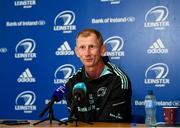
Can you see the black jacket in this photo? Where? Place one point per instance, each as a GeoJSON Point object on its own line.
{"type": "Point", "coordinates": [108, 98]}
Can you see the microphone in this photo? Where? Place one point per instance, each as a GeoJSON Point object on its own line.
{"type": "Point", "coordinates": [79, 91]}
{"type": "Point", "coordinates": [59, 93]}
{"type": "Point", "coordinates": [57, 96]}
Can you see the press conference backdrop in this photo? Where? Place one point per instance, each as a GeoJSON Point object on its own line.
{"type": "Point", "coordinates": [37, 40]}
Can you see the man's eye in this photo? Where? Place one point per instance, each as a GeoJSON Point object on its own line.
{"type": "Point", "coordinates": [81, 47]}
{"type": "Point", "coordinates": [92, 46]}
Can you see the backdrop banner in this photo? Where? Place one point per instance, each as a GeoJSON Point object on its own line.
{"type": "Point", "coordinates": [37, 40]}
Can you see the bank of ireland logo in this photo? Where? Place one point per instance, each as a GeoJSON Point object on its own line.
{"type": "Point", "coordinates": [64, 49]}
{"type": "Point", "coordinates": [114, 47]}
{"type": "Point", "coordinates": [157, 74]}
{"type": "Point", "coordinates": [157, 48]}
{"type": "Point", "coordinates": [3, 50]}
{"type": "Point", "coordinates": [64, 22]}
{"type": "Point", "coordinates": [112, 1]}
{"type": "Point", "coordinates": [156, 18]}
{"type": "Point", "coordinates": [25, 102]}
{"type": "Point", "coordinates": [63, 73]}
{"type": "Point", "coordinates": [25, 49]}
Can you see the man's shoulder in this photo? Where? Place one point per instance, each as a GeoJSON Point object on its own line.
{"type": "Point", "coordinates": [121, 75]}
{"type": "Point", "coordinates": [117, 70]}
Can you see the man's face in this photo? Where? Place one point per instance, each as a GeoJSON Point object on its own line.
{"type": "Point", "coordinates": [89, 50]}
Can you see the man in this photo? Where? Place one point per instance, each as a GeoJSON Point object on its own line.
{"type": "Point", "coordinates": [108, 95]}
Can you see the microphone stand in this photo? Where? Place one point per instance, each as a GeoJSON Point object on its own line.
{"type": "Point", "coordinates": [74, 111]}
{"type": "Point", "coordinates": [73, 114]}
{"type": "Point", "coordinates": [51, 117]}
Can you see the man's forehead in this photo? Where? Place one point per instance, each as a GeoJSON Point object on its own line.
{"type": "Point", "coordinates": [87, 39]}
{"type": "Point", "coordinates": [87, 43]}
{"type": "Point", "coordinates": [86, 34]}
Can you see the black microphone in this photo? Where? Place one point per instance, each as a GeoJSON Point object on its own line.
{"type": "Point", "coordinates": [57, 96]}
{"type": "Point", "coordinates": [79, 91]}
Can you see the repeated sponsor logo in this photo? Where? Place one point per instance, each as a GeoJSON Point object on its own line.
{"type": "Point", "coordinates": [114, 47]}
{"type": "Point", "coordinates": [25, 3]}
{"type": "Point", "coordinates": [62, 102]}
{"type": "Point", "coordinates": [175, 103]}
{"type": "Point", "coordinates": [112, 1]}
{"type": "Point", "coordinates": [63, 73]}
{"type": "Point", "coordinates": [156, 18]}
{"type": "Point", "coordinates": [25, 102]}
{"type": "Point", "coordinates": [64, 22]}
{"type": "Point", "coordinates": [25, 23]}
{"type": "Point", "coordinates": [157, 48]}
{"type": "Point", "coordinates": [25, 49]}
{"type": "Point", "coordinates": [64, 49]}
{"type": "Point", "coordinates": [3, 50]}
{"type": "Point", "coordinates": [109, 20]}
{"type": "Point", "coordinates": [26, 77]}
{"type": "Point", "coordinates": [157, 74]}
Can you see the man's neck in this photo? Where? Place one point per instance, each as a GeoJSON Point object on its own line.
{"type": "Point", "coordinates": [94, 72]}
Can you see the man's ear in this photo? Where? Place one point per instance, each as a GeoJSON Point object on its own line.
{"type": "Point", "coordinates": [103, 49]}
{"type": "Point", "coordinates": [76, 51]}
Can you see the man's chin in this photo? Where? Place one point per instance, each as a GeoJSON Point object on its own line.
{"type": "Point", "coordinates": [88, 65]}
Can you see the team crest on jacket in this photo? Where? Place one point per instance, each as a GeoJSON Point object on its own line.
{"type": "Point", "coordinates": [101, 91]}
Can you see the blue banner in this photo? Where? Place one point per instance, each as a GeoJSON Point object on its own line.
{"type": "Point", "coordinates": [37, 40]}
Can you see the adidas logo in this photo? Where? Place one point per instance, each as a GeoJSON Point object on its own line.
{"type": "Point", "coordinates": [157, 47]}
{"type": "Point", "coordinates": [64, 49]}
{"type": "Point", "coordinates": [26, 76]}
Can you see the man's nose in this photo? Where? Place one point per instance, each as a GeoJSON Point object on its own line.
{"type": "Point", "coordinates": [87, 51]}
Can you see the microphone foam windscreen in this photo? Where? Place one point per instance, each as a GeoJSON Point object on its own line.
{"type": "Point", "coordinates": [81, 86]}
